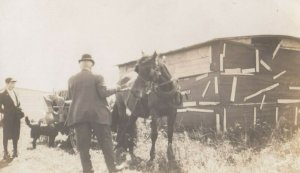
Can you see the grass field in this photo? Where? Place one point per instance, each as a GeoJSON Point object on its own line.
{"type": "Point", "coordinates": [191, 156]}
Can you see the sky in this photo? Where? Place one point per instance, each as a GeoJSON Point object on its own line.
{"type": "Point", "coordinates": [42, 40]}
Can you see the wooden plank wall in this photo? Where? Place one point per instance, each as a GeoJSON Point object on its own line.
{"type": "Point", "coordinates": [249, 98]}
{"type": "Point", "coordinates": [191, 62]}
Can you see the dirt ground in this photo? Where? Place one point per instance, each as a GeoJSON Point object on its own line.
{"type": "Point", "coordinates": [42, 159]}
{"type": "Point", "coordinates": [57, 160]}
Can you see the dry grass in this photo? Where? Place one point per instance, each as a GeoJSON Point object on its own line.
{"type": "Point", "coordinates": [191, 156]}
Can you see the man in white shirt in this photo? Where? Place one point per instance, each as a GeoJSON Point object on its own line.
{"type": "Point", "coordinates": [9, 103]}
{"type": "Point", "coordinates": [11, 92]}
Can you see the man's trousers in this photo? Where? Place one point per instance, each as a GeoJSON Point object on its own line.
{"type": "Point", "coordinates": [83, 133]}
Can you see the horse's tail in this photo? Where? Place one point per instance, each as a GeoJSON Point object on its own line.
{"type": "Point", "coordinates": [28, 122]}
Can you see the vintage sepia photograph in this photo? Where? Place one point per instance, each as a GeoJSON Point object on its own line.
{"type": "Point", "coordinates": [160, 86]}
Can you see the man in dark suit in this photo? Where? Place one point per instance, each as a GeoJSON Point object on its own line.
{"type": "Point", "coordinates": [89, 111]}
{"type": "Point", "coordinates": [9, 103]}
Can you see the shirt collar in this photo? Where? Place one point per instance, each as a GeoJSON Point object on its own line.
{"type": "Point", "coordinates": [9, 90]}
{"type": "Point", "coordinates": [86, 70]}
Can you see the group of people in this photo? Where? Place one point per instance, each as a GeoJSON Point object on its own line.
{"type": "Point", "coordinates": [88, 112]}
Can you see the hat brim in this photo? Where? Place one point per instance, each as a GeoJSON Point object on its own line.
{"type": "Point", "coordinates": [87, 60]}
{"type": "Point", "coordinates": [13, 80]}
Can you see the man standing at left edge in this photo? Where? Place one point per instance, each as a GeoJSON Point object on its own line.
{"type": "Point", "coordinates": [9, 103]}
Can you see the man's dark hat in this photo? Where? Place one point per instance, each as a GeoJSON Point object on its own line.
{"type": "Point", "coordinates": [9, 79]}
{"type": "Point", "coordinates": [86, 57]}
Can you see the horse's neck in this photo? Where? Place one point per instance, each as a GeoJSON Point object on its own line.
{"type": "Point", "coordinates": [165, 79]}
{"type": "Point", "coordinates": [165, 71]}
{"type": "Point", "coordinates": [140, 84]}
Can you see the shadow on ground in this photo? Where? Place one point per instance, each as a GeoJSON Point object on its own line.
{"type": "Point", "coordinates": [5, 163]}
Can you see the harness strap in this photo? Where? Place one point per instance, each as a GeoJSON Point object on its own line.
{"type": "Point", "coordinates": [167, 82]}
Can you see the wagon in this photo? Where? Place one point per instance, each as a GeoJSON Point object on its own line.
{"type": "Point", "coordinates": [57, 114]}
{"type": "Point", "coordinates": [60, 122]}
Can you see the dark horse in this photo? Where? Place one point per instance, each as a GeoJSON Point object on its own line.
{"type": "Point", "coordinates": [153, 93]}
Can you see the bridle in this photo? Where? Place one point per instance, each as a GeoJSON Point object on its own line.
{"type": "Point", "coordinates": [167, 82]}
{"type": "Point", "coordinates": [153, 85]}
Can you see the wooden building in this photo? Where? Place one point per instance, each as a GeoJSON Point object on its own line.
{"type": "Point", "coordinates": [238, 80]}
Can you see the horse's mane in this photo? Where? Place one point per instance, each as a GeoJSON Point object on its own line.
{"type": "Point", "coordinates": [165, 71]}
{"type": "Point", "coordinates": [144, 59]}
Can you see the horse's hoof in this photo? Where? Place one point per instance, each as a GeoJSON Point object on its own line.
{"type": "Point", "coordinates": [120, 155]}
{"type": "Point", "coordinates": [152, 154]}
{"type": "Point", "coordinates": [150, 163]}
{"type": "Point", "coordinates": [170, 154]}
{"type": "Point", "coordinates": [133, 157]}
{"type": "Point", "coordinates": [135, 160]}
{"type": "Point", "coordinates": [173, 166]}
{"type": "Point", "coordinates": [171, 157]}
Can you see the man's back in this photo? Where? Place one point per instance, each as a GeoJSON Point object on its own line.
{"type": "Point", "coordinates": [89, 113]}
{"type": "Point", "coordinates": [87, 103]}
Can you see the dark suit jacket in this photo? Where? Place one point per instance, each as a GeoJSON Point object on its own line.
{"type": "Point", "coordinates": [11, 123]}
{"type": "Point", "coordinates": [88, 94]}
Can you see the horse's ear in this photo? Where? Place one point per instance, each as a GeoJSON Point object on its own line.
{"type": "Point", "coordinates": [154, 55]}
{"type": "Point", "coordinates": [136, 69]}
{"type": "Point", "coordinates": [154, 58]}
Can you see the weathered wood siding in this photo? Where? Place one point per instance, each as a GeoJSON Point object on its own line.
{"type": "Point", "coordinates": [290, 44]}
{"type": "Point", "coordinates": [263, 89]}
{"type": "Point", "coordinates": [245, 81]}
{"type": "Point", "coordinates": [182, 64]}
{"type": "Point", "coordinates": [190, 62]}
{"type": "Point", "coordinates": [126, 68]}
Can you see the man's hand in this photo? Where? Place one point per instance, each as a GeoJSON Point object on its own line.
{"type": "Point", "coordinates": [55, 113]}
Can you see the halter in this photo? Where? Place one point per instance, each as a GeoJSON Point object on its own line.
{"type": "Point", "coordinates": [154, 85]}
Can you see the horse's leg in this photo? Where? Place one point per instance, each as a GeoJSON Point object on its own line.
{"type": "Point", "coordinates": [121, 132]}
{"type": "Point", "coordinates": [121, 128]}
{"type": "Point", "coordinates": [125, 136]}
{"type": "Point", "coordinates": [132, 135]}
{"type": "Point", "coordinates": [154, 134]}
{"type": "Point", "coordinates": [34, 142]}
{"type": "Point", "coordinates": [171, 122]}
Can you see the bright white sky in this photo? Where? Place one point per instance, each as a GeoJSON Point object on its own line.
{"type": "Point", "coordinates": [42, 40]}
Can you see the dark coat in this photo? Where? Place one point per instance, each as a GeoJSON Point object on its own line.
{"type": "Point", "coordinates": [88, 94]}
{"type": "Point", "coordinates": [11, 123]}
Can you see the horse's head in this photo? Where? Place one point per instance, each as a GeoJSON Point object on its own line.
{"type": "Point", "coordinates": [148, 68]}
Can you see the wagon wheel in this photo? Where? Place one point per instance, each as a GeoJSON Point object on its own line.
{"type": "Point", "coordinates": [73, 140]}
